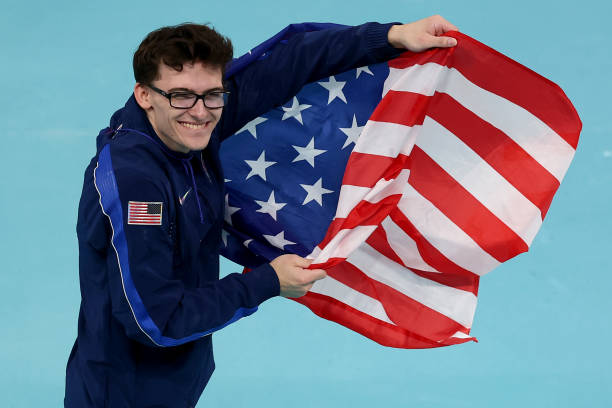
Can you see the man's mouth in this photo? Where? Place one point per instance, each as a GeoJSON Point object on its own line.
{"type": "Point", "coordinates": [192, 125]}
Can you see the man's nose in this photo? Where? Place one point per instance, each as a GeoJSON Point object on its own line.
{"type": "Point", "coordinates": [199, 110]}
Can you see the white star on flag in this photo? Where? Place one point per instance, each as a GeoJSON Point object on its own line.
{"type": "Point", "coordinates": [259, 166]}
{"type": "Point", "coordinates": [365, 69]}
{"type": "Point", "coordinates": [295, 111]}
{"type": "Point", "coordinates": [252, 126]}
{"type": "Point", "coordinates": [315, 192]}
{"type": "Point", "coordinates": [308, 152]}
{"type": "Point", "coordinates": [247, 242]}
{"type": "Point", "coordinates": [278, 240]}
{"type": "Point", "coordinates": [229, 211]}
{"type": "Point", "coordinates": [335, 89]}
{"type": "Point", "coordinates": [352, 133]}
{"type": "Point", "coordinates": [270, 206]}
{"type": "Point", "coordinates": [224, 235]}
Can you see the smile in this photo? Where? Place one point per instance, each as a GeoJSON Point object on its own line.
{"type": "Point", "coordinates": [193, 125]}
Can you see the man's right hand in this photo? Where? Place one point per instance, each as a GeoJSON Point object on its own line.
{"type": "Point", "coordinates": [294, 279]}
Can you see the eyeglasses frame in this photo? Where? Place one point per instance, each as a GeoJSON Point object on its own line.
{"type": "Point", "coordinates": [198, 97]}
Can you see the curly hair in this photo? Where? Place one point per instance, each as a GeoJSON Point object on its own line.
{"type": "Point", "coordinates": [177, 45]}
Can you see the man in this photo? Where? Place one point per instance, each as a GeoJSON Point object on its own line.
{"type": "Point", "coordinates": [152, 208]}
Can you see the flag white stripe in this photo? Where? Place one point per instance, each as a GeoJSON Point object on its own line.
{"type": "Point", "coordinates": [350, 195]}
{"type": "Point", "coordinates": [456, 304]}
{"type": "Point", "coordinates": [481, 180]}
{"type": "Point", "coordinates": [461, 335]}
{"type": "Point", "coordinates": [421, 79]}
{"type": "Point", "coordinates": [444, 235]}
{"type": "Point", "coordinates": [404, 246]}
{"type": "Point", "coordinates": [527, 130]}
{"type": "Point", "coordinates": [386, 139]}
{"type": "Point", "coordinates": [347, 295]}
{"type": "Point", "coordinates": [344, 242]}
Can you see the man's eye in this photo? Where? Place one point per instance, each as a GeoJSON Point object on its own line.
{"type": "Point", "coordinates": [183, 96]}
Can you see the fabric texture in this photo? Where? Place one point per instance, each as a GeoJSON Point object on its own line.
{"type": "Point", "coordinates": [406, 181]}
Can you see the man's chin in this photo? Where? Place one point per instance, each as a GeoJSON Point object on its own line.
{"type": "Point", "coordinates": [200, 145]}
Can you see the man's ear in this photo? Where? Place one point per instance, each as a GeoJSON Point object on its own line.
{"type": "Point", "coordinates": [143, 96]}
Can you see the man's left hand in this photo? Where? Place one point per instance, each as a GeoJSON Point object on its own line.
{"type": "Point", "coordinates": [422, 34]}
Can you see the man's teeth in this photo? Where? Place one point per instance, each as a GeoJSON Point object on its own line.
{"type": "Point", "coordinates": [193, 125]}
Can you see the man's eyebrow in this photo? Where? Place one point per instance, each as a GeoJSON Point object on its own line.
{"type": "Point", "coordinates": [218, 88]}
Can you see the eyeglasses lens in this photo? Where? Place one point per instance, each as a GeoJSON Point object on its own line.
{"type": "Point", "coordinates": [188, 100]}
{"type": "Point", "coordinates": [214, 100]}
{"type": "Point", "coordinates": [179, 100]}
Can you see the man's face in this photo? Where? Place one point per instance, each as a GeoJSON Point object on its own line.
{"type": "Point", "coordinates": [183, 130]}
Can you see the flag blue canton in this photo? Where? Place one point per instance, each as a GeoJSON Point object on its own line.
{"type": "Point", "coordinates": [284, 169]}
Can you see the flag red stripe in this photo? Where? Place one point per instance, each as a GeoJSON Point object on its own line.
{"type": "Point", "coordinates": [496, 148]}
{"type": "Point", "coordinates": [432, 255]}
{"type": "Point", "coordinates": [467, 282]}
{"type": "Point", "coordinates": [508, 79]}
{"type": "Point", "coordinates": [378, 241]}
{"type": "Point", "coordinates": [331, 262]}
{"type": "Point", "coordinates": [401, 309]}
{"type": "Point", "coordinates": [408, 59]}
{"type": "Point", "coordinates": [404, 108]}
{"type": "Point", "coordinates": [381, 332]}
{"type": "Point", "coordinates": [364, 213]}
{"type": "Point", "coordinates": [365, 170]}
{"type": "Point", "coordinates": [452, 199]}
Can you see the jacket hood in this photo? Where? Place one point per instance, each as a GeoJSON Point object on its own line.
{"type": "Point", "coordinates": [131, 117]}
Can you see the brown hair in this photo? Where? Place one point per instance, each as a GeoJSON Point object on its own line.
{"type": "Point", "coordinates": [177, 45]}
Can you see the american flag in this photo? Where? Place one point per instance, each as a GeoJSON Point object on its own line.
{"type": "Point", "coordinates": [144, 213]}
{"type": "Point", "coordinates": [406, 181]}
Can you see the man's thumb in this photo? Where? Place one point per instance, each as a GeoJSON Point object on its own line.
{"type": "Point", "coordinates": [443, 42]}
{"type": "Point", "coordinates": [316, 274]}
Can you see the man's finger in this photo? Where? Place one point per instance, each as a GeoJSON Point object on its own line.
{"type": "Point", "coordinates": [302, 262]}
{"type": "Point", "coordinates": [443, 42]}
{"type": "Point", "coordinates": [444, 25]}
{"type": "Point", "coordinates": [447, 26]}
{"type": "Point", "coordinates": [315, 274]}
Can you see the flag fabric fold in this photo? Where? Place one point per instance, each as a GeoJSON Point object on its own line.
{"type": "Point", "coordinates": [406, 181]}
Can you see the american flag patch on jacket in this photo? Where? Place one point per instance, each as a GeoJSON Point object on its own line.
{"type": "Point", "coordinates": [144, 213]}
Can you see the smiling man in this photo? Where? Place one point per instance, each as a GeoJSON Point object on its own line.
{"type": "Point", "coordinates": [152, 208]}
{"type": "Point", "coordinates": [184, 125]}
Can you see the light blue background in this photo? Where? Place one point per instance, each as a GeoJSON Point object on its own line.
{"type": "Point", "coordinates": [543, 319]}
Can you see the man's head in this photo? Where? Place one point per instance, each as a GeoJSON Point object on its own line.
{"type": "Point", "coordinates": [183, 58]}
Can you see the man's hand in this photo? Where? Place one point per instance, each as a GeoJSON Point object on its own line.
{"type": "Point", "coordinates": [422, 34]}
{"type": "Point", "coordinates": [294, 280]}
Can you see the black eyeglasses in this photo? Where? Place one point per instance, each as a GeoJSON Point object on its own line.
{"type": "Point", "coordinates": [215, 99]}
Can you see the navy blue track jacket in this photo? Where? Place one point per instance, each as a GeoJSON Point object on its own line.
{"type": "Point", "coordinates": [151, 294]}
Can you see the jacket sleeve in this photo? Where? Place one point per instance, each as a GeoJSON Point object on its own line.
{"type": "Point", "coordinates": [305, 57]}
{"type": "Point", "coordinates": [148, 296]}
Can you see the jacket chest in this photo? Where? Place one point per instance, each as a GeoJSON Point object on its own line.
{"type": "Point", "coordinates": [198, 213]}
